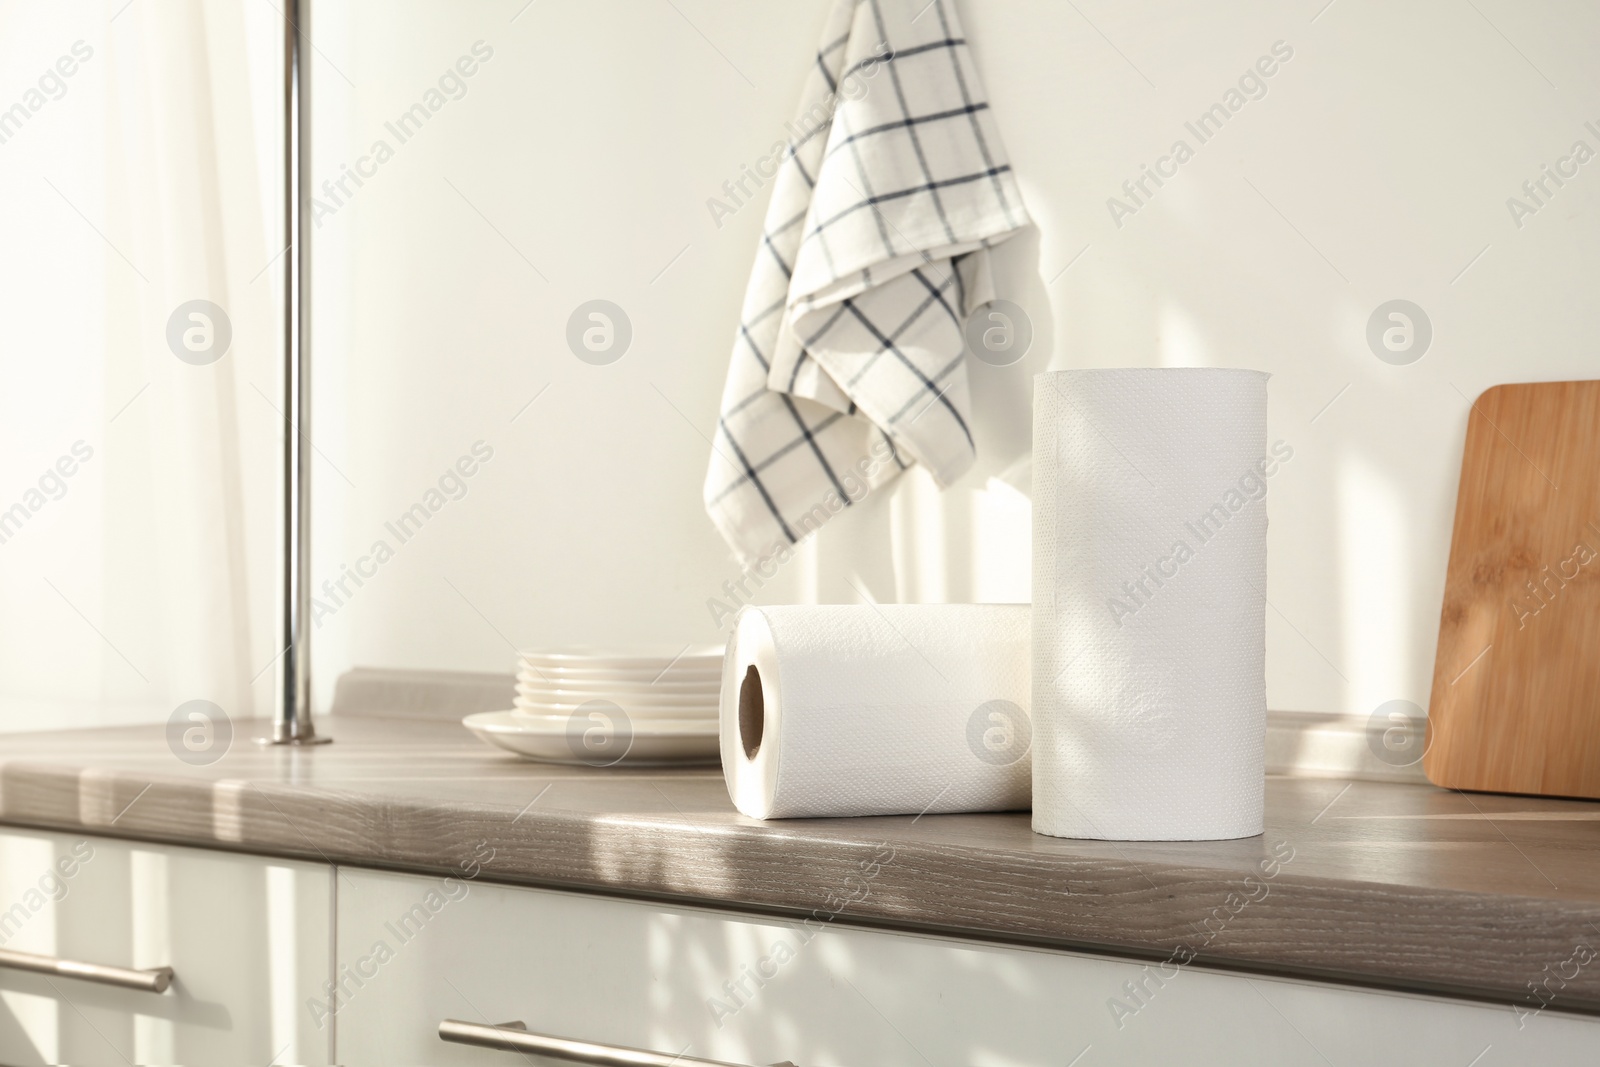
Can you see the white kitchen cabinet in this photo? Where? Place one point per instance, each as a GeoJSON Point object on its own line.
{"type": "Point", "coordinates": [252, 943]}
{"type": "Point", "coordinates": [247, 938]}
{"type": "Point", "coordinates": [414, 950]}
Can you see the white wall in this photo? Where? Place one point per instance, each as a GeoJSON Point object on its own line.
{"type": "Point", "coordinates": [1376, 167]}
{"type": "Point", "coordinates": [578, 165]}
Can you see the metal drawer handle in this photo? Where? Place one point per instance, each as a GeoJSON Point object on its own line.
{"type": "Point", "coordinates": [155, 980]}
{"type": "Point", "coordinates": [514, 1037]}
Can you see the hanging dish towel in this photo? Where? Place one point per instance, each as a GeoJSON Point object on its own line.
{"type": "Point", "coordinates": [849, 361]}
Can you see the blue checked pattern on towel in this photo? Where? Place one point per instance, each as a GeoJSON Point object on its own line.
{"type": "Point", "coordinates": [849, 362]}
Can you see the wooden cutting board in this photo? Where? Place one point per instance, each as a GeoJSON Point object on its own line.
{"type": "Point", "coordinates": [1515, 706]}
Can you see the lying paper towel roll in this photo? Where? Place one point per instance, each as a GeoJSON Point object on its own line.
{"type": "Point", "coordinates": [1149, 578]}
{"type": "Point", "coordinates": [877, 710]}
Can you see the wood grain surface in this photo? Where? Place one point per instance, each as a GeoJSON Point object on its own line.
{"type": "Point", "coordinates": [1395, 885]}
{"type": "Point", "coordinates": [1515, 705]}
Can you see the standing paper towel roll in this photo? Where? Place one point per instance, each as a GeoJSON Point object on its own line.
{"type": "Point", "coordinates": [877, 710]}
{"type": "Point", "coordinates": [1149, 577]}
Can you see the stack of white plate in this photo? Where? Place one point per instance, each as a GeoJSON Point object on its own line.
{"type": "Point", "coordinates": [604, 708]}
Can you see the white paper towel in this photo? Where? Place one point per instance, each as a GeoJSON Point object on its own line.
{"type": "Point", "coordinates": [1149, 579]}
{"type": "Point", "coordinates": [877, 710]}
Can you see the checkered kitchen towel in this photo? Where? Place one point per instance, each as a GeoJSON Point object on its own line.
{"type": "Point", "coordinates": [849, 361]}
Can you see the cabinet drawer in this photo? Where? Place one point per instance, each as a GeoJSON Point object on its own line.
{"type": "Point", "coordinates": [413, 951]}
{"type": "Point", "coordinates": [247, 939]}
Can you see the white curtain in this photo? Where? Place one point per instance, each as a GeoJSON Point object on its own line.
{"type": "Point", "coordinates": [151, 181]}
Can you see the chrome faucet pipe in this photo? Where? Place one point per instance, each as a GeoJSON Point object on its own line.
{"type": "Point", "coordinates": [291, 723]}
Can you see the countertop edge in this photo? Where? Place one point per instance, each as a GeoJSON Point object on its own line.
{"type": "Point", "coordinates": [1479, 946]}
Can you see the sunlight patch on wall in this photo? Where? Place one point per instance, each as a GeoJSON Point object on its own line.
{"type": "Point", "coordinates": [1179, 337]}
{"type": "Point", "coordinates": [1376, 587]}
{"type": "Point", "coordinates": [917, 527]}
{"type": "Point", "coordinates": [1002, 539]}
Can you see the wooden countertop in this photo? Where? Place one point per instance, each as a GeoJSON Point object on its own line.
{"type": "Point", "coordinates": [1374, 883]}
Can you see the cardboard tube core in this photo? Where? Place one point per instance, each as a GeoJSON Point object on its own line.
{"type": "Point", "coordinates": [752, 712]}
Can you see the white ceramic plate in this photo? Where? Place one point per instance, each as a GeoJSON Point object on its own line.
{"type": "Point", "coordinates": [650, 676]}
{"type": "Point", "coordinates": [646, 747]}
{"type": "Point", "coordinates": [685, 724]}
{"type": "Point", "coordinates": [652, 650]}
{"type": "Point", "coordinates": [542, 719]}
{"type": "Point", "coordinates": [534, 694]}
{"type": "Point", "coordinates": [705, 713]}
{"type": "Point", "coordinates": [694, 658]}
{"type": "Point", "coordinates": [711, 684]}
